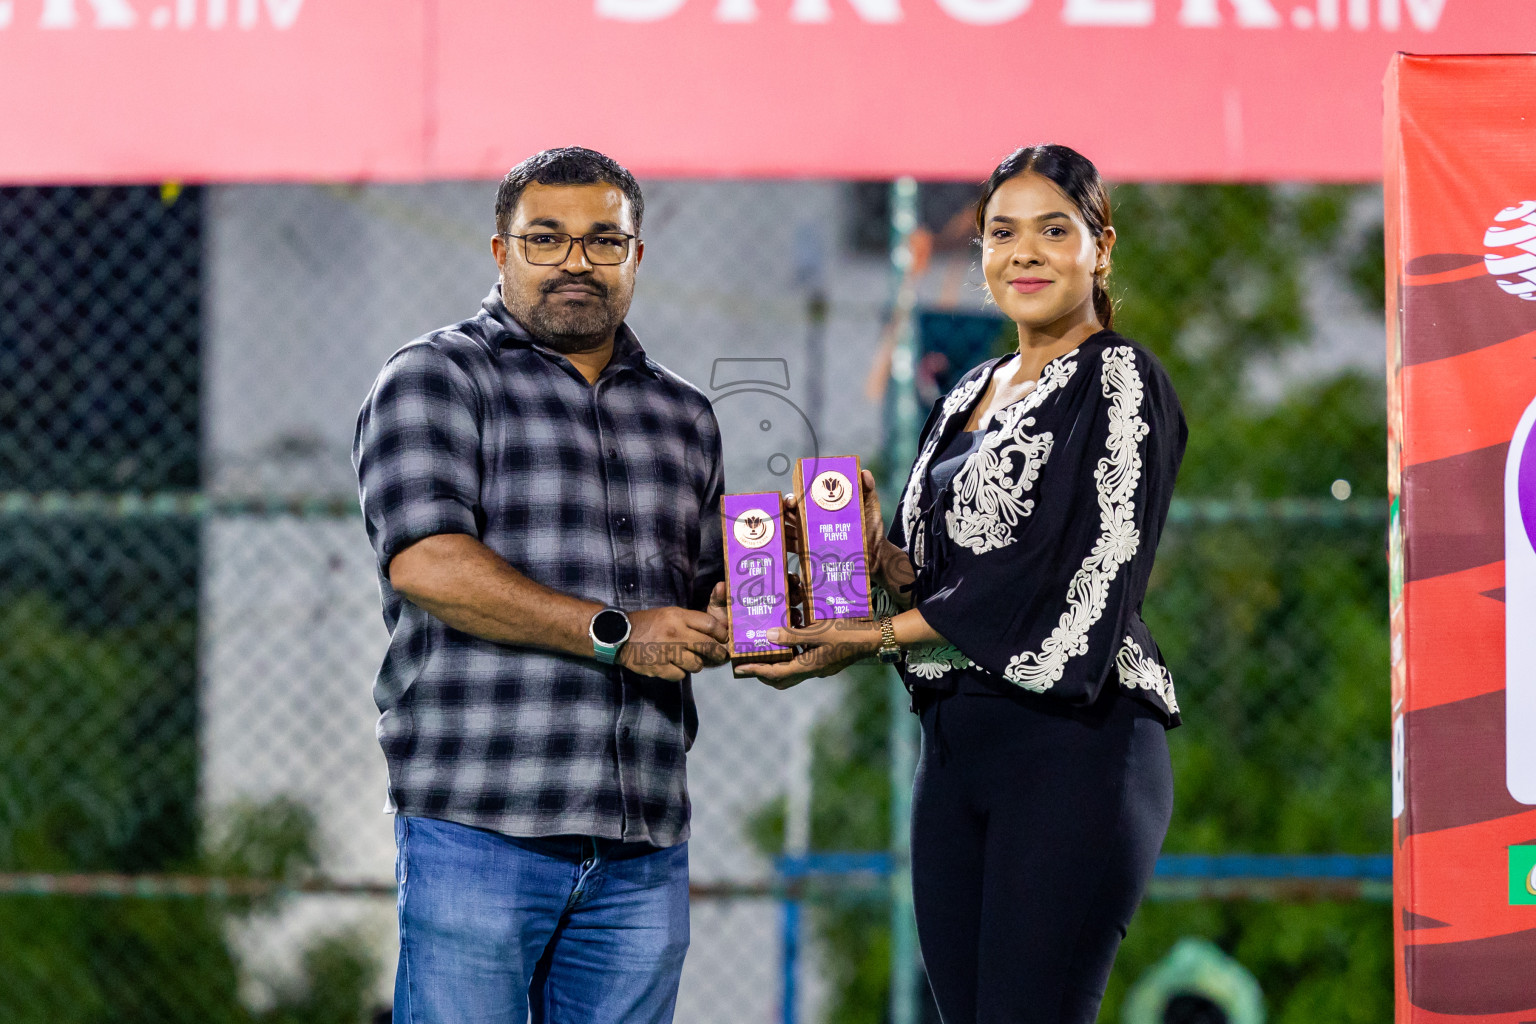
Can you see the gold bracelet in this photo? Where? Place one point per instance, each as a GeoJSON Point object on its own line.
{"type": "Point", "coordinates": [889, 651]}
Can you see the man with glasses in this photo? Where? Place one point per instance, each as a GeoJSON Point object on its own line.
{"type": "Point", "coordinates": [543, 499]}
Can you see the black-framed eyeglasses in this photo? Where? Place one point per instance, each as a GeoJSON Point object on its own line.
{"type": "Point", "coordinates": [551, 248]}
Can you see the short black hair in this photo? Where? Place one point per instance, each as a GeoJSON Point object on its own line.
{"type": "Point", "coordinates": [568, 165]}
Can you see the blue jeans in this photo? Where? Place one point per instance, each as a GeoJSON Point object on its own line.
{"type": "Point", "coordinates": [571, 929]}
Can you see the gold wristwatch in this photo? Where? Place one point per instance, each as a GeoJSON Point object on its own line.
{"type": "Point", "coordinates": [889, 651]}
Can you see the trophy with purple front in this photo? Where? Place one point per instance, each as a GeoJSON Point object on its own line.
{"type": "Point", "coordinates": [756, 574]}
{"type": "Point", "coordinates": [834, 565]}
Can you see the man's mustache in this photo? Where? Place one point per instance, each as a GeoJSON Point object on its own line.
{"type": "Point", "coordinates": [595, 287]}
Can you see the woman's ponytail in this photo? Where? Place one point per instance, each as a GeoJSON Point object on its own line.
{"type": "Point", "coordinates": [1103, 305]}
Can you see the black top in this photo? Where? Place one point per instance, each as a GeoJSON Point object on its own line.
{"type": "Point", "coordinates": [1033, 553]}
{"type": "Point", "coordinates": [947, 463]}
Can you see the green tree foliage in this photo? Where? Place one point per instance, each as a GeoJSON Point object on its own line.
{"type": "Point", "coordinates": [98, 757]}
{"type": "Point", "coordinates": [98, 773]}
{"type": "Point", "coordinates": [338, 976]}
{"type": "Point", "coordinates": [1276, 634]}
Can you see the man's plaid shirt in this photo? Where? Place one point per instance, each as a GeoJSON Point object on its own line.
{"type": "Point", "coordinates": [608, 492]}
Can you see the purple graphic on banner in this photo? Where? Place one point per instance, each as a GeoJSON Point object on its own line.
{"type": "Point", "coordinates": [1525, 488]}
{"type": "Point", "coordinates": [1519, 597]}
{"type": "Point", "coordinates": [754, 566]}
{"type": "Point", "coordinates": [833, 517]}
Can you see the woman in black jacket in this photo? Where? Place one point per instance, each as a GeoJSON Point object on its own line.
{"type": "Point", "coordinates": [1019, 556]}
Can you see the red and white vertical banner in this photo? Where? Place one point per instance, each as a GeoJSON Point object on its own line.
{"type": "Point", "coordinates": [1460, 182]}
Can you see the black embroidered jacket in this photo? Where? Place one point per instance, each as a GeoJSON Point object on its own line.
{"type": "Point", "coordinates": [1033, 558]}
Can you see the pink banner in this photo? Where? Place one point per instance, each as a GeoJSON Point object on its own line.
{"type": "Point", "coordinates": [196, 90]}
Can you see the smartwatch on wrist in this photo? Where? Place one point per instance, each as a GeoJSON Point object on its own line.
{"type": "Point", "coordinates": [889, 651]}
{"type": "Point", "coordinates": [609, 629]}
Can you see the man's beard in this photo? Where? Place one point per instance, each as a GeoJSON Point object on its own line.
{"type": "Point", "coordinates": [569, 328]}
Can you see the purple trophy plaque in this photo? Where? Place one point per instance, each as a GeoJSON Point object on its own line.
{"type": "Point", "coordinates": [755, 574]}
{"type": "Point", "coordinates": [833, 561]}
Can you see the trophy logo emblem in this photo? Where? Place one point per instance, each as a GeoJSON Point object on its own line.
{"type": "Point", "coordinates": [831, 490]}
{"type": "Point", "coordinates": [754, 528]}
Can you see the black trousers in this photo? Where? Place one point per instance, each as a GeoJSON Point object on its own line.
{"type": "Point", "coordinates": [1035, 829]}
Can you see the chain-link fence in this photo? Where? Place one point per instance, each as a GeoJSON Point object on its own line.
{"type": "Point", "coordinates": [190, 789]}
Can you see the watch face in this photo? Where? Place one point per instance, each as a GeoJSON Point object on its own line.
{"type": "Point", "coordinates": [610, 626]}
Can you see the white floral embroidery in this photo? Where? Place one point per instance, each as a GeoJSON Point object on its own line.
{"type": "Point", "coordinates": [930, 661]}
{"type": "Point", "coordinates": [1117, 475]}
{"type": "Point", "coordinates": [989, 488]}
{"type": "Point", "coordinates": [881, 602]}
{"type": "Point", "coordinates": [959, 398]}
{"type": "Point", "coordinates": [926, 661]}
{"type": "Point", "coordinates": [1138, 670]}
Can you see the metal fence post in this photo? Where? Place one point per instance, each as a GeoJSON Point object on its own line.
{"type": "Point", "coordinates": [901, 450]}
